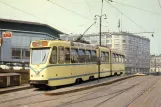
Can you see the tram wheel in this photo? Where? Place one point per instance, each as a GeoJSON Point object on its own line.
{"type": "Point", "coordinates": [78, 81]}
{"type": "Point", "coordinates": [90, 78]}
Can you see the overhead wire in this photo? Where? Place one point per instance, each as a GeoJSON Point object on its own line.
{"type": "Point", "coordinates": [28, 13]}
{"type": "Point", "coordinates": [68, 9]}
{"type": "Point", "coordinates": [102, 8]}
{"type": "Point", "coordinates": [137, 8]}
{"type": "Point", "coordinates": [90, 11]}
{"type": "Point", "coordinates": [159, 3]}
{"type": "Point", "coordinates": [88, 7]}
{"type": "Point", "coordinates": [126, 16]}
{"type": "Point", "coordinates": [21, 10]}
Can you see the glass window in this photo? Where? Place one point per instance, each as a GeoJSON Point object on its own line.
{"type": "Point", "coordinates": [93, 56]}
{"type": "Point", "coordinates": [67, 55]}
{"type": "Point", "coordinates": [61, 57]}
{"type": "Point", "coordinates": [103, 57]}
{"type": "Point", "coordinates": [114, 57]}
{"type": "Point", "coordinates": [107, 56]}
{"type": "Point", "coordinates": [81, 56]}
{"type": "Point", "coordinates": [88, 56]}
{"type": "Point", "coordinates": [39, 56]}
{"type": "Point", "coordinates": [124, 41]}
{"type": "Point", "coordinates": [53, 58]}
{"type": "Point", "coordinates": [16, 53]}
{"type": "Point", "coordinates": [119, 58]}
{"type": "Point", "coordinates": [74, 55]}
{"type": "Point", "coordinates": [25, 54]}
{"type": "Point", "coordinates": [123, 59]}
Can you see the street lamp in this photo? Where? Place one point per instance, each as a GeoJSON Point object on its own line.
{"type": "Point", "coordinates": [100, 17]}
{"type": "Point", "coordinates": [98, 59]}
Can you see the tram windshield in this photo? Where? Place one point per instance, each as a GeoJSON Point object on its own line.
{"type": "Point", "coordinates": [39, 56]}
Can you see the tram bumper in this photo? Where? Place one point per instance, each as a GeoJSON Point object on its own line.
{"type": "Point", "coordinates": [41, 82]}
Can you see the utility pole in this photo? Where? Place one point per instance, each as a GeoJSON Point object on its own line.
{"type": "Point", "coordinates": [99, 58]}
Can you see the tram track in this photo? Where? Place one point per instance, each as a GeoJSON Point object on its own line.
{"type": "Point", "coordinates": [82, 95]}
{"type": "Point", "coordinates": [139, 95]}
{"type": "Point", "coordinates": [66, 96]}
{"type": "Point", "coordinates": [117, 93]}
{"type": "Point", "coordinates": [30, 96]}
{"type": "Point", "coordinates": [33, 95]}
{"type": "Point", "coordinates": [20, 98]}
{"type": "Point", "coordinates": [85, 95]}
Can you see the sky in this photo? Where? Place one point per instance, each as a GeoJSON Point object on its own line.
{"type": "Point", "coordinates": [75, 16]}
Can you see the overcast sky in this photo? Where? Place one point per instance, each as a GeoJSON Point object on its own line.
{"type": "Point", "coordinates": [75, 16]}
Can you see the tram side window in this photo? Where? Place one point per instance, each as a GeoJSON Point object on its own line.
{"type": "Point", "coordinates": [103, 57]}
{"type": "Point", "coordinates": [107, 56]}
{"type": "Point", "coordinates": [81, 56]}
{"type": "Point", "coordinates": [113, 57]}
{"type": "Point", "coordinates": [118, 58]}
{"type": "Point", "coordinates": [88, 56]}
{"type": "Point", "coordinates": [53, 58]}
{"type": "Point", "coordinates": [93, 56]}
{"type": "Point", "coordinates": [67, 55]}
{"type": "Point", "coordinates": [74, 56]}
{"type": "Point", "coordinates": [61, 58]}
{"type": "Point", "coordinates": [123, 59]}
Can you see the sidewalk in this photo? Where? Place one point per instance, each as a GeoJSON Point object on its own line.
{"type": "Point", "coordinates": [87, 85]}
{"type": "Point", "coordinates": [14, 88]}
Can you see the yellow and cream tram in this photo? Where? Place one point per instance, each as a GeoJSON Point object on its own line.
{"type": "Point", "coordinates": [57, 62]}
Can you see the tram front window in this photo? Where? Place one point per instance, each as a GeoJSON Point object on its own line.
{"type": "Point", "coordinates": [39, 56]}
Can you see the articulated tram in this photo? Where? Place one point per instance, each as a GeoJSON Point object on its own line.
{"type": "Point", "coordinates": [57, 62]}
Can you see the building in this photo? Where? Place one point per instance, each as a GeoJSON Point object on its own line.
{"type": "Point", "coordinates": [155, 64]}
{"type": "Point", "coordinates": [135, 48]}
{"type": "Point", "coordinates": [16, 36]}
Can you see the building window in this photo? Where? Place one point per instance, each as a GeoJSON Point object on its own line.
{"type": "Point", "coordinates": [124, 41]}
{"type": "Point", "coordinates": [109, 41]}
{"type": "Point", "coordinates": [25, 54]}
{"type": "Point", "coordinates": [94, 41]}
{"type": "Point", "coordinates": [116, 45]}
{"type": "Point", "coordinates": [16, 53]}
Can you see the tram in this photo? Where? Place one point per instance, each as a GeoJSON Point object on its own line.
{"type": "Point", "coordinates": [58, 62]}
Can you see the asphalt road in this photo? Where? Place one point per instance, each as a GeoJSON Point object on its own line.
{"type": "Point", "coordinates": [141, 91]}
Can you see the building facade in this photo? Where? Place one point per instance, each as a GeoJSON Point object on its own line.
{"type": "Point", "coordinates": [155, 64]}
{"type": "Point", "coordinates": [16, 37]}
{"type": "Point", "coordinates": [135, 48]}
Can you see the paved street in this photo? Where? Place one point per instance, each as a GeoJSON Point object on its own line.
{"type": "Point", "coordinates": [141, 91]}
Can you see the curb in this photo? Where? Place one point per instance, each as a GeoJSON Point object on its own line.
{"type": "Point", "coordinates": [88, 87]}
{"type": "Point", "coordinates": [14, 89]}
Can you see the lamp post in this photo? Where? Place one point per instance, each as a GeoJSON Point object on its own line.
{"type": "Point", "coordinates": [99, 58]}
{"type": "Point", "coordinates": [100, 18]}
